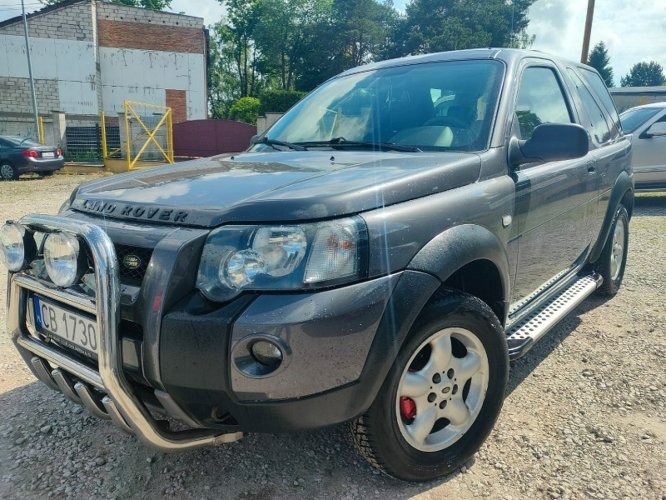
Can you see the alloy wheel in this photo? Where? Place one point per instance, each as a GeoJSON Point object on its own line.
{"type": "Point", "coordinates": [442, 389]}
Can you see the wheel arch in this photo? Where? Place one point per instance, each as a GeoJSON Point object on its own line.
{"type": "Point", "coordinates": [457, 260]}
{"type": "Point", "coordinates": [621, 194]}
{"type": "Point", "coordinates": [471, 259]}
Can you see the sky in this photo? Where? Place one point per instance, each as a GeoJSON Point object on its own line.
{"type": "Point", "coordinates": [633, 30]}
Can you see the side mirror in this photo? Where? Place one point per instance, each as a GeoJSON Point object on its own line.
{"type": "Point", "coordinates": [550, 142]}
{"type": "Point", "coordinates": [254, 139]}
{"type": "Point", "coordinates": [656, 130]}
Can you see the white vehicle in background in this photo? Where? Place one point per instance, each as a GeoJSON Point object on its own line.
{"type": "Point", "coordinates": [647, 124]}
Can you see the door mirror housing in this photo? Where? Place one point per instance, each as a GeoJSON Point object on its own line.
{"type": "Point", "coordinates": [550, 142]}
{"type": "Point", "coordinates": [254, 139]}
{"type": "Point", "coordinates": [656, 130]}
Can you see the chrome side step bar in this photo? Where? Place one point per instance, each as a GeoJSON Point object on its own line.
{"type": "Point", "coordinates": [522, 335]}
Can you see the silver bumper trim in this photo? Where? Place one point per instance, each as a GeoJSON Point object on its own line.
{"type": "Point", "coordinates": [123, 406]}
{"type": "Point", "coordinates": [56, 358]}
{"type": "Point", "coordinates": [89, 401]}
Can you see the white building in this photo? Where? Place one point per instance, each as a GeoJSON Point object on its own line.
{"type": "Point", "coordinates": [89, 56]}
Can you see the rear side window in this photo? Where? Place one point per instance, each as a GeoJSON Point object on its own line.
{"type": "Point", "coordinates": [600, 89]}
{"type": "Point", "coordinates": [600, 131]}
{"type": "Point", "coordinates": [540, 101]}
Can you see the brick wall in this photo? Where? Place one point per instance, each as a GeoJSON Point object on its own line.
{"type": "Point", "coordinates": [115, 12]}
{"type": "Point", "coordinates": [177, 101]}
{"type": "Point", "coordinates": [15, 95]}
{"type": "Point", "coordinates": [72, 22]}
{"type": "Point", "coordinates": [131, 35]}
{"type": "Point", "coordinates": [127, 27]}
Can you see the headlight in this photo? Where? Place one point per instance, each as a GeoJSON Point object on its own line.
{"type": "Point", "coordinates": [293, 257]}
{"type": "Point", "coordinates": [18, 246]}
{"type": "Point", "coordinates": [61, 257]}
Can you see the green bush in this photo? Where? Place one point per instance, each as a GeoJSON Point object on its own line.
{"type": "Point", "coordinates": [279, 101]}
{"type": "Point", "coordinates": [245, 109]}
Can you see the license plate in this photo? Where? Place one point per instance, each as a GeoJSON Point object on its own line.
{"type": "Point", "coordinates": [48, 154]}
{"type": "Point", "coordinates": [74, 330]}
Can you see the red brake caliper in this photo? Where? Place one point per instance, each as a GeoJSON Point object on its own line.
{"type": "Point", "coordinates": [407, 408]}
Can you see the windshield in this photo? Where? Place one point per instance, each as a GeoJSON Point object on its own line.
{"type": "Point", "coordinates": [634, 118]}
{"type": "Point", "coordinates": [432, 106]}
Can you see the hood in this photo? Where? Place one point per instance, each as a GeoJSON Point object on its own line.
{"type": "Point", "coordinates": [275, 186]}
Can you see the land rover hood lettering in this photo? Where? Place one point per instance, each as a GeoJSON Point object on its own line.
{"type": "Point", "coordinates": [132, 211]}
{"type": "Point", "coordinates": [273, 187]}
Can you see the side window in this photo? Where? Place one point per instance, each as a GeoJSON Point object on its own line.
{"type": "Point", "coordinates": [599, 129]}
{"type": "Point", "coordinates": [599, 88]}
{"type": "Point", "coordinates": [540, 101]}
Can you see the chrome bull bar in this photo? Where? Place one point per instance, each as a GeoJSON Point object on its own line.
{"type": "Point", "coordinates": [121, 404]}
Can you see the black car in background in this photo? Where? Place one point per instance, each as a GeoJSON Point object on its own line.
{"type": "Point", "coordinates": [21, 156]}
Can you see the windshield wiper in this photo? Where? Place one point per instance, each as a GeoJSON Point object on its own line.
{"type": "Point", "coordinates": [275, 142]}
{"type": "Point", "coordinates": [342, 142]}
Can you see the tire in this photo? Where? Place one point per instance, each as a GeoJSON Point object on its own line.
{"type": "Point", "coordinates": [388, 434]}
{"type": "Point", "coordinates": [613, 259]}
{"type": "Point", "coordinates": [8, 172]}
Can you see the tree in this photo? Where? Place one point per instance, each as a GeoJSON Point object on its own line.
{"type": "Point", "coordinates": [223, 81]}
{"type": "Point", "coordinates": [440, 25]}
{"type": "Point", "coordinates": [236, 38]}
{"type": "Point", "coordinates": [354, 32]}
{"type": "Point", "coordinates": [281, 34]}
{"type": "Point", "coordinates": [644, 74]}
{"type": "Point", "coordinates": [146, 4]}
{"type": "Point", "coordinates": [600, 61]}
{"type": "Point", "coordinates": [245, 109]}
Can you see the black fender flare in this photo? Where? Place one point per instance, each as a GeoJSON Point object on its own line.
{"type": "Point", "coordinates": [442, 256]}
{"type": "Point", "coordinates": [456, 247]}
{"type": "Point", "coordinates": [624, 184]}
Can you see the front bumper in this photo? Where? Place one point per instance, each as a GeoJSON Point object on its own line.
{"type": "Point", "coordinates": [121, 403]}
{"type": "Point", "coordinates": [341, 343]}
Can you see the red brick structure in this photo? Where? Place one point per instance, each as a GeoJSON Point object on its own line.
{"type": "Point", "coordinates": [177, 101]}
{"type": "Point", "coordinates": [133, 35]}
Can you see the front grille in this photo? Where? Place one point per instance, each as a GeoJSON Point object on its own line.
{"type": "Point", "coordinates": [133, 262]}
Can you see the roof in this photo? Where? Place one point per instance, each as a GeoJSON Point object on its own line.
{"type": "Point", "coordinates": [67, 3]}
{"type": "Point", "coordinates": [44, 10]}
{"type": "Point", "coordinates": [661, 90]}
{"type": "Point", "coordinates": [651, 105]}
{"type": "Point", "coordinates": [503, 54]}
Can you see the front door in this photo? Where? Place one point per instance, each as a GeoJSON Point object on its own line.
{"type": "Point", "coordinates": [649, 156]}
{"type": "Point", "coordinates": [552, 213]}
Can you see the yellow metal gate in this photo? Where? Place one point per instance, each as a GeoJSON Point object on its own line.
{"type": "Point", "coordinates": [146, 135]}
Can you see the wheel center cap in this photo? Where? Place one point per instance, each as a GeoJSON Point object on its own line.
{"type": "Point", "coordinates": [446, 390]}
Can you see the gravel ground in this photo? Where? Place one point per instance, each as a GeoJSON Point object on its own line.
{"type": "Point", "coordinates": [584, 415]}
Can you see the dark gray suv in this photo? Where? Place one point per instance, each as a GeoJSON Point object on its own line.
{"type": "Point", "coordinates": [377, 257]}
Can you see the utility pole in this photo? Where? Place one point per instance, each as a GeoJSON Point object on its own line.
{"type": "Point", "coordinates": [588, 30]}
{"type": "Point", "coordinates": [32, 81]}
